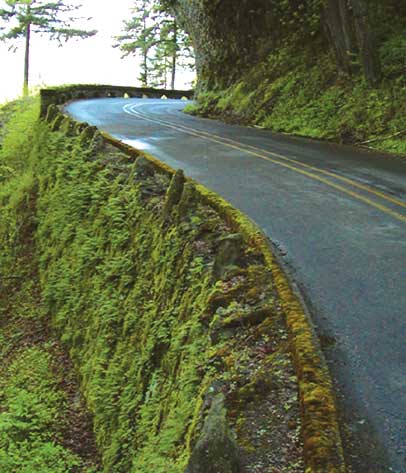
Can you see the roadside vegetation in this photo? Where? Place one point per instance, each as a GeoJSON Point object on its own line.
{"type": "Point", "coordinates": [130, 309]}
{"type": "Point", "coordinates": [44, 424]}
{"type": "Point", "coordinates": [305, 84]}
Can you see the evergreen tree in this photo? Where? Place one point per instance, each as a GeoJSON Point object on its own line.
{"type": "Point", "coordinates": [24, 17]}
{"type": "Point", "coordinates": [174, 44]}
{"type": "Point", "coordinates": [140, 36]}
{"type": "Point", "coordinates": [154, 35]}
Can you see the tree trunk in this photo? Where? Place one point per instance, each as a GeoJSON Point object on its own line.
{"type": "Point", "coordinates": [27, 59]}
{"type": "Point", "coordinates": [174, 54]}
{"type": "Point", "coordinates": [145, 51]}
{"type": "Point", "coordinates": [367, 49]}
{"type": "Point", "coordinates": [338, 24]}
{"type": "Point", "coordinates": [166, 74]}
{"type": "Point", "coordinates": [145, 67]}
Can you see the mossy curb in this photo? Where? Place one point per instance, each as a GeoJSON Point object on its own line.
{"type": "Point", "coordinates": [321, 434]}
{"type": "Point", "coordinates": [320, 429]}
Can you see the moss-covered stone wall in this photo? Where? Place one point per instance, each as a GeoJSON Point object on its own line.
{"type": "Point", "coordinates": [191, 352]}
{"type": "Point", "coordinates": [62, 94]}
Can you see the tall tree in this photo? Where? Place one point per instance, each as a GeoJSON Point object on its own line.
{"type": "Point", "coordinates": [155, 36]}
{"type": "Point", "coordinates": [174, 44]}
{"type": "Point", "coordinates": [140, 36]}
{"type": "Point", "coordinates": [25, 17]}
{"type": "Point", "coordinates": [366, 41]}
{"type": "Point", "coordinates": [351, 37]}
{"type": "Point", "coordinates": [169, 46]}
{"type": "Point", "coordinates": [341, 36]}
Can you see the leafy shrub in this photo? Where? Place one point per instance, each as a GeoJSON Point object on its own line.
{"type": "Point", "coordinates": [393, 56]}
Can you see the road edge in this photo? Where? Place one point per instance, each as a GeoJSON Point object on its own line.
{"type": "Point", "coordinates": [323, 451]}
{"type": "Point", "coordinates": [320, 428]}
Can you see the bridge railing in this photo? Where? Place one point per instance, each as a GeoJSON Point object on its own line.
{"type": "Point", "coordinates": [64, 94]}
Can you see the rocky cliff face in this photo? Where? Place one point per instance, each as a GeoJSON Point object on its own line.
{"type": "Point", "coordinates": [232, 35]}
{"type": "Point", "coordinates": [229, 36]}
{"type": "Point", "coordinates": [323, 68]}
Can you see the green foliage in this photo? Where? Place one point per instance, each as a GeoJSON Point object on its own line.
{"type": "Point", "coordinates": [16, 175]}
{"type": "Point", "coordinates": [295, 93]}
{"type": "Point", "coordinates": [154, 34]}
{"type": "Point", "coordinates": [140, 36]}
{"type": "Point", "coordinates": [108, 269]}
{"type": "Point", "coordinates": [34, 407]}
{"type": "Point", "coordinates": [393, 55]}
{"type": "Point", "coordinates": [129, 285]}
{"type": "Point", "coordinates": [31, 404]}
{"type": "Point", "coordinates": [301, 67]}
{"type": "Point", "coordinates": [18, 132]}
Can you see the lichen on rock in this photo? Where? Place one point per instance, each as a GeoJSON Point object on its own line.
{"type": "Point", "coordinates": [216, 451]}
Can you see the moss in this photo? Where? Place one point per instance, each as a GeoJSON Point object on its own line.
{"type": "Point", "coordinates": [216, 450]}
{"type": "Point", "coordinates": [112, 265]}
{"type": "Point", "coordinates": [42, 415]}
{"type": "Point", "coordinates": [291, 92]}
{"type": "Point", "coordinates": [135, 297]}
{"type": "Point", "coordinates": [52, 112]}
{"type": "Point", "coordinates": [174, 192]}
{"type": "Point", "coordinates": [57, 123]}
{"type": "Point", "coordinates": [68, 126]}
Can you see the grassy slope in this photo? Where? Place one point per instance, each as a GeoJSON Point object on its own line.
{"type": "Point", "coordinates": [130, 289]}
{"type": "Point", "coordinates": [44, 426]}
{"type": "Point", "coordinates": [297, 91]}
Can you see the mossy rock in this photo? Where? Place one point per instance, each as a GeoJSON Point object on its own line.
{"type": "Point", "coordinates": [97, 143]}
{"type": "Point", "coordinates": [188, 200]}
{"type": "Point", "coordinates": [216, 450]}
{"type": "Point", "coordinates": [57, 123]}
{"type": "Point", "coordinates": [251, 317]}
{"type": "Point", "coordinates": [144, 167]}
{"type": "Point", "coordinates": [68, 127]}
{"type": "Point", "coordinates": [174, 192]}
{"type": "Point", "coordinates": [229, 254]}
{"type": "Point", "coordinates": [80, 127]}
{"type": "Point", "coordinates": [87, 135]}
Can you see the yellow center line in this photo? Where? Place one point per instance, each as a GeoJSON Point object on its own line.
{"type": "Point", "coordinates": [308, 166]}
{"type": "Point", "coordinates": [216, 139]}
{"type": "Point", "coordinates": [347, 180]}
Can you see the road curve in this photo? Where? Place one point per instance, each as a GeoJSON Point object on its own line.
{"type": "Point", "coordinates": [337, 216]}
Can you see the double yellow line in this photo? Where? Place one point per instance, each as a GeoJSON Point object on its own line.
{"type": "Point", "coordinates": [281, 160]}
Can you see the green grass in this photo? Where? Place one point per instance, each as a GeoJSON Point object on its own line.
{"type": "Point", "coordinates": [32, 406]}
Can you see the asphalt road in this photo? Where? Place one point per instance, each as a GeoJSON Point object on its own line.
{"type": "Point", "coordinates": [337, 216]}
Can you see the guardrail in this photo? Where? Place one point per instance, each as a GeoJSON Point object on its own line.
{"type": "Point", "coordinates": [61, 95]}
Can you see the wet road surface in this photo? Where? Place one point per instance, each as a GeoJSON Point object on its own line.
{"type": "Point", "coordinates": [337, 217]}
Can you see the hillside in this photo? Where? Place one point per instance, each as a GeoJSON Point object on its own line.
{"type": "Point", "coordinates": [144, 323]}
{"type": "Point", "coordinates": [333, 69]}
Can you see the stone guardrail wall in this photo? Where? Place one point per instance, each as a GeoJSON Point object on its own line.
{"type": "Point", "coordinates": [64, 94]}
{"type": "Point", "coordinates": [320, 427]}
